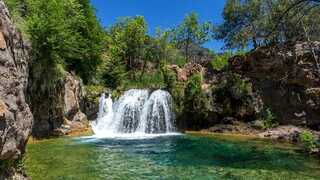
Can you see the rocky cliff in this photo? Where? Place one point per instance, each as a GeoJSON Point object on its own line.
{"type": "Point", "coordinates": [58, 112]}
{"type": "Point", "coordinates": [15, 115]}
{"type": "Point", "coordinates": [265, 87]}
{"type": "Point", "coordinates": [288, 80]}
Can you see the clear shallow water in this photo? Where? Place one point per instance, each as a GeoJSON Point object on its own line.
{"type": "Point", "coordinates": [166, 157]}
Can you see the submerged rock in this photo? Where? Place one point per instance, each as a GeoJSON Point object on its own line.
{"type": "Point", "coordinates": [15, 115]}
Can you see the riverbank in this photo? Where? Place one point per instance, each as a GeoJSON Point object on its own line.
{"type": "Point", "coordinates": [282, 135]}
{"type": "Point", "coordinates": [74, 133]}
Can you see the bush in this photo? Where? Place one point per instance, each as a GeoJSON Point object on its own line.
{"type": "Point", "coordinates": [220, 62]}
{"type": "Point", "coordinates": [153, 80]}
{"type": "Point", "coordinates": [308, 140]}
{"type": "Point", "coordinates": [169, 76]}
{"type": "Point", "coordinates": [93, 92]}
{"type": "Point", "coordinates": [18, 164]}
{"type": "Point", "coordinates": [235, 86]}
{"type": "Point", "coordinates": [269, 120]}
{"type": "Point", "coordinates": [195, 99]}
{"type": "Point", "coordinates": [194, 86]}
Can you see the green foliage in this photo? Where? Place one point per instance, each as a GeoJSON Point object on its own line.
{"type": "Point", "coordinates": [52, 38]}
{"type": "Point", "coordinates": [169, 76]}
{"type": "Point", "coordinates": [17, 164]}
{"type": "Point", "coordinates": [235, 86]}
{"type": "Point", "coordinates": [194, 86]}
{"type": "Point", "coordinates": [189, 32]}
{"type": "Point", "coordinates": [269, 120]}
{"type": "Point", "coordinates": [220, 62]}
{"type": "Point", "coordinates": [152, 80]}
{"type": "Point", "coordinates": [113, 71]}
{"type": "Point", "coordinates": [197, 105]}
{"type": "Point", "coordinates": [127, 38]}
{"type": "Point", "coordinates": [195, 100]}
{"type": "Point", "coordinates": [93, 92]}
{"type": "Point", "coordinates": [90, 45]}
{"type": "Point", "coordinates": [64, 35]}
{"type": "Point", "coordinates": [241, 87]}
{"type": "Point", "coordinates": [308, 140]}
{"type": "Point", "coordinates": [18, 11]}
{"type": "Point", "coordinates": [258, 22]}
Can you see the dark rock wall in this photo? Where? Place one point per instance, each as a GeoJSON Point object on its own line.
{"type": "Point", "coordinates": [287, 79]}
{"type": "Point", "coordinates": [15, 115]}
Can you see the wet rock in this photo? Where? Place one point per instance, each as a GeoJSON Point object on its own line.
{"type": "Point", "coordinates": [15, 115]}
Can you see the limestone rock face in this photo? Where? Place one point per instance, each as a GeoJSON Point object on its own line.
{"type": "Point", "coordinates": [15, 115]}
{"type": "Point", "coordinates": [288, 79]}
{"type": "Point", "coordinates": [186, 71]}
{"type": "Point", "coordinates": [59, 112]}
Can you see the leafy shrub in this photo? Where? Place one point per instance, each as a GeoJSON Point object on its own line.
{"type": "Point", "coordinates": [220, 61]}
{"type": "Point", "coordinates": [17, 164]}
{"type": "Point", "coordinates": [194, 86]}
{"type": "Point", "coordinates": [195, 99]}
{"type": "Point", "coordinates": [169, 76]}
{"type": "Point", "coordinates": [308, 140]}
{"type": "Point", "coordinates": [93, 92]}
{"type": "Point", "coordinates": [147, 80]}
{"type": "Point", "coordinates": [240, 87]}
{"type": "Point", "coordinates": [234, 85]}
{"type": "Point", "coordinates": [269, 120]}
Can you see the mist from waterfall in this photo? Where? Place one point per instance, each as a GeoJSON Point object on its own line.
{"type": "Point", "coordinates": [135, 113]}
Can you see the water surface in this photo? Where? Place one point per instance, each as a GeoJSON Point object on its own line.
{"type": "Point", "coordinates": [168, 157]}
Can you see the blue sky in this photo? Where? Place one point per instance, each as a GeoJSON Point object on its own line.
{"type": "Point", "coordinates": [161, 13]}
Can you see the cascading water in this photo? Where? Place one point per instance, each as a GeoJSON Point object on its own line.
{"type": "Point", "coordinates": [136, 112]}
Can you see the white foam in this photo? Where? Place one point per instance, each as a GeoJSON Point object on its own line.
{"type": "Point", "coordinates": [137, 114]}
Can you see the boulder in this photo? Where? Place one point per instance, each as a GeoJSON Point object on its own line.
{"type": "Point", "coordinates": [15, 115]}
{"type": "Point", "coordinates": [236, 127]}
{"type": "Point", "coordinates": [288, 133]}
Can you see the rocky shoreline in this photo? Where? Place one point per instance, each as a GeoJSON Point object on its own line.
{"type": "Point", "coordinates": [282, 134]}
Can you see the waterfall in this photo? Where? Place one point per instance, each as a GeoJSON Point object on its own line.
{"type": "Point", "coordinates": [135, 112]}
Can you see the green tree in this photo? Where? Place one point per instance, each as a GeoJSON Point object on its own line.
{"type": "Point", "coordinates": [263, 22]}
{"type": "Point", "coordinates": [65, 35]}
{"type": "Point", "coordinates": [191, 32]}
{"type": "Point", "coordinates": [128, 47]}
{"type": "Point", "coordinates": [128, 36]}
{"type": "Point", "coordinates": [91, 42]}
{"type": "Point", "coordinates": [51, 28]}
